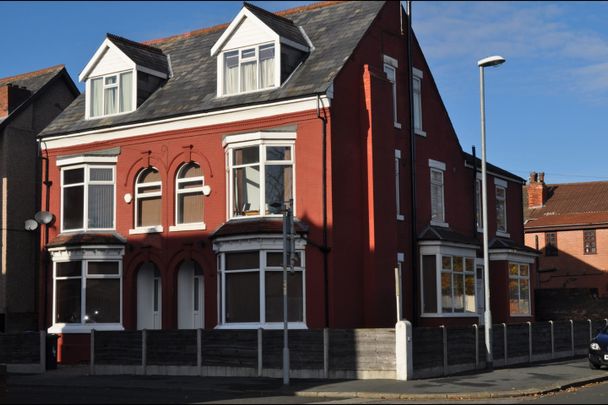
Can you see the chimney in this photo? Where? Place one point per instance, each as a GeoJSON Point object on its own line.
{"type": "Point", "coordinates": [11, 97]}
{"type": "Point", "coordinates": [537, 190]}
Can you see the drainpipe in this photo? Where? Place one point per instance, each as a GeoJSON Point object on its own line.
{"type": "Point", "coordinates": [324, 248]}
{"type": "Point", "coordinates": [412, 162]}
{"type": "Point", "coordinates": [45, 253]}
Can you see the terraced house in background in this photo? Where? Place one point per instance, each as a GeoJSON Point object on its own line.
{"type": "Point", "coordinates": [28, 102]}
{"type": "Point", "coordinates": [169, 173]}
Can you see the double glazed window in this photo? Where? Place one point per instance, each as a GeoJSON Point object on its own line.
{"type": "Point", "coordinates": [249, 69]}
{"type": "Point", "coordinates": [501, 209]}
{"type": "Point", "coordinates": [437, 198]}
{"type": "Point", "coordinates": [551, 244]}
{"type": "Point", "coordinates": [252, 288]}
{"type": "Point", "coordinates": [391, 75]}
{"type": "Point", "coordinates": [189, 194]}
{"type": "Point", "coordinates": [111, 94]}
{"type": "Point", "coordinates": [87, 197]}
{"type": "Point", "coordinates": [589, 242]}
{"type": "Point", "coordinates": [148, 199]}
{"type": "Point", "coordinates": [261, 179]}
{"type": "Point", "coordinates": [478, 203]}
{"type": "Point", "coordinates": [519, 289]}
{"type": "Point", "coordinates": [87, 291]}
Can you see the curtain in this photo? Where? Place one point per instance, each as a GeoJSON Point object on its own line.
{"type": "Point", "coordinates": [96, 107]}
{"type": "Point", "coordinates": [126, 92]}
{"type": "Point", "coordinates": [249, 76]}
{"type": "Point", "coordinates": [190, 208]}
{"type": "Point", "coordinates": [267, 66]}
{"type": "Point", "coordinates": [101, 206]}
{"type": "Point", "coordinates": [110, 100]}
{"type": "Point", "coordinates": [231, 72]}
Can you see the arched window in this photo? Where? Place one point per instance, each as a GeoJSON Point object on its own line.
{"type": "Point", "coordinates": [148, 199]}
{"type": "Point", "coordinates": [189, 195]}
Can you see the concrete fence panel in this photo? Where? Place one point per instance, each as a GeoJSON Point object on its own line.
{"type": "Point", "coordinates": [171, 347]}
{"type": "Point", "coordinates": [362, 353]}
{"type": "Point", "coordinates": [230, 348]}
{"type": "Point", "coordinates": [563, 340]}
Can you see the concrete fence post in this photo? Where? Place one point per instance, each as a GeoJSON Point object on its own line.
{"type": "Point", "coordinates": [42, 351]}
{"type": "Point", "coordinates": [476, 329]}
{"type": "Point", "coordinates": [325, 353]}
{"type": "Point", "coordinates": [552, 340]}
{"type": "Point", "coordinates": [260, 354]}
{"type": "Point", "coordinates": [572, 336]}
{"type": "Point", "coordinates": [505, 343]}
{"type": "Point", "coordinates": [92, 355]}
{"type": "Point", "coordinates": [144, 351]}
{"type": "Point", "coordinates": [404, 362]}
{"type": "Point", "coordinates": [529, 341]}
{"type": "Point", "coordinates": [444, 331]}
{"type": "Point", "coordinates": [199, 351]}
{"type": "Point", "coordinates": [590, 329]}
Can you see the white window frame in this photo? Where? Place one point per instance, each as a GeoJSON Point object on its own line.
{"type": "Point", "coordinates": [390, 69]}
{"type": "Point", "coordinates": [86, 183]}
{"type": "Point", "coordinates": [417, 75]}
{"type": "Point", "coordinates": [262, 140]}
{"type": "Point", "coordinates": [501, 184]}
{"type": "Point", "coordinates": [187, 226]}
{"type": "Point", "coordinates": [519, 278]}
{"type": "Point", "coordinates": [263, 268]}
{"type": "Point", "coordinates": [221, 91]}
{"type": "Point", "coordinates": [437, 167]}
{"type": "Point", "coordinates": [400, 216]}
{"type": "Point", "coordinates": [479, 203]}
{"type": "Point", "coordinates": [138, 195]}
{"type": "Point", "coordinates": [440, 249]}
{"type": "Point", "coordinates": [84, 255]}
{"type": "Point", "coordinates": [89, 92]}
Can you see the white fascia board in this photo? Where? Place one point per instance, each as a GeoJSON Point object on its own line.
{"type": "Point", "coordinates": [512, 255]}
{"type": "Point", "coordinates": [106, 44]}
{"type": "Point", "coordinates": [260, 135]}
{"type": "Point", "coordinates": [151, 72]}
{"type": "Point", "coordinates": [185, 122]}
{"type": "Point", "coordinates": [293, 44]}
{"type": "Point", "coordinates": [244, 13]}
{"type": "Point", "coordinates": [73, 160]}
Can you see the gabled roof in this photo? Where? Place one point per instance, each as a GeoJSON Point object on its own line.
{"type": "Point", "coordinates": [470, 161]}
{"type": "Point", "coordinates": [334, 28]}
{"type": "Point", "coordinates": [446, 235]}
{"type": "Point", "coordinates": [281, 25]}
{"type": "Point", "coordinates": [35, 82]}
{"type": "Point", "coordinates": [255, 226]}
{"type": "Point", "coordinates": [143, 55]}
{"type": "Point", "coordinates": [578, 205]}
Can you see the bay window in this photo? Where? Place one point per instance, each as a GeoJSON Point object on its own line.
{"type": "Point", "coordinates": [261, 177]}
{"type": "Point", "coordinates": [87, 196]}
{"type": "Point", "coordinates": [519, 289]}
{"type": "Point", "coordinates": [111, 94]}
{"type": "Point", "coordinates": [249, 69]}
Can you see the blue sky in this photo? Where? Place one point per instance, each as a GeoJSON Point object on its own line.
{"type": "Point", "coordinates": [546, 105]}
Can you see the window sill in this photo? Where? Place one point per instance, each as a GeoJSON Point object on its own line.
{"type": "Point", "coordinates": [520, 315]}
{"type": "Point", "coordinates": [84, 328]}
{"type": "Point", "coordinates": [397, 125]}
{"type": "Point", "coordinates": [198, 226]}
{"type": "Point", "coordinates": [441, 224]}
{"type": "Point", "coordinates": [151, 229]}
{"type": "Point", "coordinates": [452, 315]}
{"type": "Point", "coordinates": [259, 325]}
{"type": "Point", "coordinates": [420, 132]}
{"type": "Point", "coordinates": [503, 234]}
{"type": "Point", "coordinates": [400, 217]}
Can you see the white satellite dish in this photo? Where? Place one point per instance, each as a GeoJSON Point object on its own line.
{"type": "Point", "coordinates": [31, 225]}
{"type": "Point", "coordinates": [44, 217]}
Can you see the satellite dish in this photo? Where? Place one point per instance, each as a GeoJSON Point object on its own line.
{"type": "Point", "coordinates": [31, 225]}
{"type": "Point", "coordinates": [44, 217]}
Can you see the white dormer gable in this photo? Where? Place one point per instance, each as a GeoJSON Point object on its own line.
{"type": "Point", "coordinates": [111, 78]}
{"type": "Point", "coordinates": [249, 55]}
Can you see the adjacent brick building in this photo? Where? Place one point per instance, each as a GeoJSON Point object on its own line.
{"type": "Point", "coordinates": [28, 102]}
{"type": "Point", "coordinates": [169, 173]}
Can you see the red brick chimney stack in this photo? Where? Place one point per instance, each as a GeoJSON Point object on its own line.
{"type": "Point", "coordinates": [11, 97]}
{"type": "Point", "coordinates": [537, 190]}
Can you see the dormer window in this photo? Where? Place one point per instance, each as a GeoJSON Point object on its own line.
{"type": "Point", "coordinates": [249, 69]}
{"type": "Point", "coordinates": [111, 94]}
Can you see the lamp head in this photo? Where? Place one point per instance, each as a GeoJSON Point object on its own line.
{"type": "Point", "coordinates": [491, 61]}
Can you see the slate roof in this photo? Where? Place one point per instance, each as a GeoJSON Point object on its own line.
{"type": "Point", "coordinates": [334, 29]}
{"type": "Point", "coordinates": [446, 234]}
{"type": "Point", "coordinates": [256, 226]}
{"type": "Point", "coordinates": [491, 168]}
{"type": "Point", "coordinates": [570, 204]}
{"type": "Point", "coordinates": [281, 25]}
{"type": "Point", "coordinates": [503, 243]}
{"type": "Point", "coordinates": [143, 55]}
{"type": "Point", "coordinates": [83, 239]}
{"type": "Point", "coordinates": [33, 81]}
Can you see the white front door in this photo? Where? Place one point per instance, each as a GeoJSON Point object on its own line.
{"type": "Point", "coordinates": [190, 310]}
{"type": "Point", "coordinates": [479, 288]}
{"type": "Point", "coordinates": [149, 297]}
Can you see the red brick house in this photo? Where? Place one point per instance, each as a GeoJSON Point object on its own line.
{"type": "Point", "coordinates": [168, 174]}
{"type": "Point", "coordinates": [569, 224]}
{"type": "Point", "coordinates": [28, 103]}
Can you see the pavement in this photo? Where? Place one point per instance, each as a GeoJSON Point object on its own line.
{"type": "Point", "coordinates": [533, 380]}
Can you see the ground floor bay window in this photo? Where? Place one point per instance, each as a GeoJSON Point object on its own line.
{"type": "Point", "coordinates": [87, 290]}
{"type": "Point", "coordinates": [251, 287]}
{"type": "Point", "coordinates": [448, 282]}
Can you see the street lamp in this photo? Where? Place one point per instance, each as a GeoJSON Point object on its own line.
{"type": "Point", "coordinates": [487, 315]}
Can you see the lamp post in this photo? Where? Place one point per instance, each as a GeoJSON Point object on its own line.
{"type": "Point", "coordinates": [288, 255]}
{"type": "Point", "coordinates": [487, 315]}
